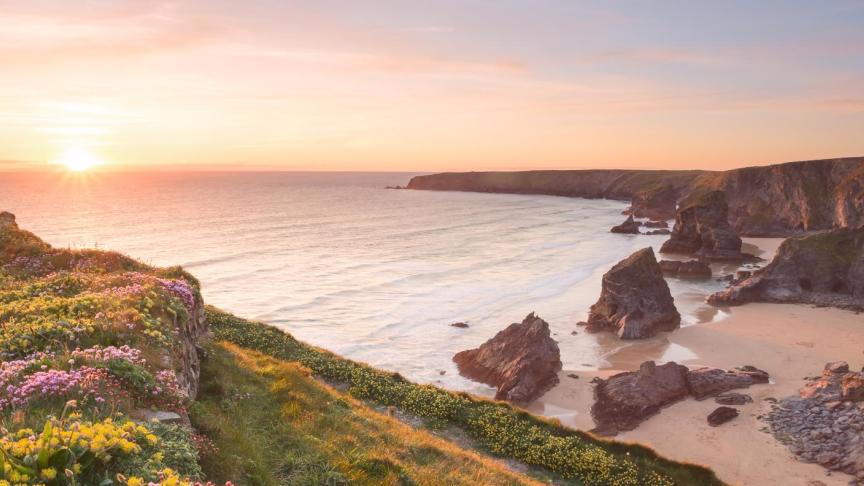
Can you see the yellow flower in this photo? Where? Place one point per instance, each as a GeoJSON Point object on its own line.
{"type": "Point", "coordinates": [135, 481]}
{"type": "Point", "coordinates": [49, 473]}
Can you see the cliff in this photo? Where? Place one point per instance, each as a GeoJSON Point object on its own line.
{"type": "Point", "coordinates": [824, 269]}
{"type": "Point", "coordinates": [775, 200]}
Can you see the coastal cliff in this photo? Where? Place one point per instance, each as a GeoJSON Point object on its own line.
{"type": "Point", "coordinates": [774, 200]}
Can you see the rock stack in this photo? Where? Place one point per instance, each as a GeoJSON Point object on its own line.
{"type": "Point", "coordinates": [635, 301]}
{"type": "Point", "coordinates": [522, 361]}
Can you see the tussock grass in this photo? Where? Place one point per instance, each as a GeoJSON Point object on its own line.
{"type": "Point", "coordinates": [274, 424]}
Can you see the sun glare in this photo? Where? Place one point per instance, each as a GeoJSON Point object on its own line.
{"type": "Point", "coordinates": [78, 160]}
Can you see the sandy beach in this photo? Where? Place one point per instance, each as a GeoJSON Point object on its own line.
{"type": "Point", "coordinates": [789, 341]}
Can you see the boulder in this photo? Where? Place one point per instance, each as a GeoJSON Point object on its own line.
{"type": "Point", "coordinates": [522, 361]}
{"type": "Point", "coordinates": [629, 226]}
{"type": "Point", "coordinates": [852, 387]}
{"type": "Point", "coordinates": [690, 269]}
{"type": "Point", "coordinates": [822, 269]}
{"type": "Point", "coordinates": [663, 231]}
{"type": "Point", "coordinates": [624, 400]}
{"type": "Point", "coordinates": [708, 382]}
{"type": "Point", "coordinates": [635, 301]}
{"type": "Point", "coordinates": [460, 325]}
{"type": "Point", "coordinates": [721, 415]}
{"type": "Point", "coordinates": [702, 229]}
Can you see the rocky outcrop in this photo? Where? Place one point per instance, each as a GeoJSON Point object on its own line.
{"type": "Point", "coordinates": [732, 398]}
{"type": "Point", "coordinates": [624, 400]}
{"type": "Point", "coordinates": [774, 200]}
{"type": "Point", "coordinates": [7, 220]}
{"type": "Point", "coordinates": [708, 382]}
{"type": "Point", "coordinates": [702, 229]}
{"type": "Point", "coordinates": [655, 202]}
{"type": "Point", "coordinates": [690, 269]}
{"type": "Point", "coordinates": [824, 423]}
{"type": "Point", "coordinates": [823, 269]}
{"type": "Point", "coordinates": [629, 226]}
{"type": "Point", "coordinates": [522, 361]}
{"type": "Point", "coordinates": [658, 224]}
{"type": "Point", "coordinates": [635, 301]}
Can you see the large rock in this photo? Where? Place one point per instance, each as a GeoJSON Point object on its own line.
{"type": "Point", "coordinates": [635, 301]}
{"type": "Point", "coordinates": [709, 382]}
{"type": "Point", "coordinates": [694, 269]}
{"type": "Point", "coordinates": [823, 269]}
{"type": "Point", "coordinates": [7, 220]}
{"type": "Point", "coordinates": [624, 400]}
{"type": "Point", "coordinates": [522, 361]}
{"type": "Point", "coordinates": [702, 229]}
{"type": "Point", "coordinates": [629, 226]}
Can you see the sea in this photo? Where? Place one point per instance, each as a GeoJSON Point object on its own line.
{"type": "Point", "coordinates": [377, 275]}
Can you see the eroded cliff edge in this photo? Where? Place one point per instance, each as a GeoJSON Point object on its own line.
{"type": "Point", "coordinates": [774, 200]}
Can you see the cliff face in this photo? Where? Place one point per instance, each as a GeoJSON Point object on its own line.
{"type": "Point", "coordinates": [784, 199]}
{"type": "Point", "coordinates": [824, 269]}
{"type": "Point", "coordinates": [776, 200]}
{"type": "Point", "coordinates": [702, 229]}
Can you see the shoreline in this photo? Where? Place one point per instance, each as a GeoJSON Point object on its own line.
{"type": "Point", "coordinates": [790, 341]}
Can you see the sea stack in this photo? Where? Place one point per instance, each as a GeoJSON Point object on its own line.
{"type": "Point", "coordinates": [702, 229]}
{"type": "Point", "coordinates": [629, 226]}
{"type": "Point", "coordinates": [635, 301]}
{"type": "Point", "coordinates": [522, 361]}
{"type": "Point", "coordinates": [823, 269]}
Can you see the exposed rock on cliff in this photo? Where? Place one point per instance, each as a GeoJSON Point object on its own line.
{"type": "Point", "coordinates": [655, 202]}
{"type": "Point", "coordinates": [775, 200]}
{"type": "Point", "coordinates": [624, 400]}
{"type": "Point", "coordinates": [635, 301]}
{"type": "Point", "coordinates": [629, 226]}
{"type": "Point", "coordinates": [689, 269]}
{"type": "Point", "coordinates": [522, 361]}
{"type": "Point", "coordinates": [823, 269]}
{"type": "Point", "coordinates": [702, 229]}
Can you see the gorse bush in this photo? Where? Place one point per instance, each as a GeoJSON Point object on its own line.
{"type": "Point", "coordinates": [497, 427]}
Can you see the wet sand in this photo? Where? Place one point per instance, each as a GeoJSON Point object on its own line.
{"type": "Point", "coordinates": [789, 341]}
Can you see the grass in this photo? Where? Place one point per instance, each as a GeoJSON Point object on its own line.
{"type": "Point", "coordinates": [274, 424]}
{"type": "Point", "coordinates": [496, 427]}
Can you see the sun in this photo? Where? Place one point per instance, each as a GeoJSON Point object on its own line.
{"type": "Point", "coordinates": [78, 160]}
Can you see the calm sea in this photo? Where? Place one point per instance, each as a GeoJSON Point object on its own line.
{"type": "Point", "coordinates": [373, 274]}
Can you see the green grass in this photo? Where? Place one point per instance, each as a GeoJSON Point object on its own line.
{"type": "Point", "coordinates": [274, 424]}
{"type": "Point", "coordinates": [497, 427]}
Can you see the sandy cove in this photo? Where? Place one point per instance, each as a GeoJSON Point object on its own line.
{"type": "Point", "coordinates": [787, 340]}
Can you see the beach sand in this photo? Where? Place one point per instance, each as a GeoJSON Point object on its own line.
{"type": "Point", "coordinates": [789, 341]}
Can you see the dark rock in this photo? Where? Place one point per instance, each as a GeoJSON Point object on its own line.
{"type": "Point", "coordinates": [721, 415]}
{"type": "Point", "coordinates": [822, 269]}
{"type": "Point", "coordinates": [522, 361]}
{"type": "Point", "coordinates": [733, 398]}
{"type": "Point", "coordinates": [629, 226]}
{"type": "Point", "coordinates": [460, 325]}
{"type": "Point", "coordinates": [702, 229]}
{"type": "Point", "coordinates": [573, 333]}
{"type": "Point", "coordinates": [573, 375]}
{"type": "Point", "coordinates": [708, 382]}
{"type": "Point", "coordinates": [624, 400]}
{"type": "Point", "coordinates": [659, 232]}
{"type": "Point", "coordinates": [689, 269]}
{"type": "Point", "coordinates": [656, 224]}
{"type": "Point", "coordinates": [635, 300]}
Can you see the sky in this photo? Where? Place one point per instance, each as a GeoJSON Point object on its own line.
{"type": "Point", "coordinates": [429, 86]}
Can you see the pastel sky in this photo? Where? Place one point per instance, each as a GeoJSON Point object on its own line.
{"type": "Point", "coordinates": [427, 86]}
